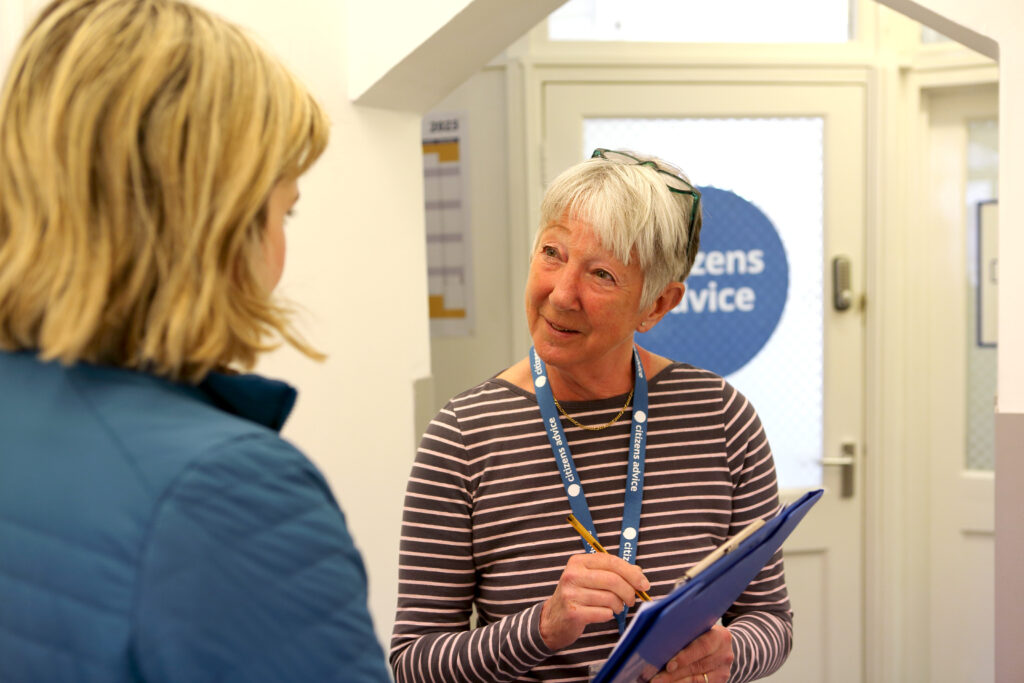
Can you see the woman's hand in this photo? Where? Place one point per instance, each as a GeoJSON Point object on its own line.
{"type": "Point", "coordinates": [711, 655]}
{"type": "Point", "coordinates": [593, 588]}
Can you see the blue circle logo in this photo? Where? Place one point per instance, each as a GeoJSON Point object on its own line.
{"type": "Point", "coordinates": [735, 293]}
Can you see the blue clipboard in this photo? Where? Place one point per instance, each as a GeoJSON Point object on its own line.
{"type": "Point", "coordinates": [664, 627]}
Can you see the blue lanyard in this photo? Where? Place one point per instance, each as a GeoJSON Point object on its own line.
{"type": "Point", "coordinates": [630, 535]}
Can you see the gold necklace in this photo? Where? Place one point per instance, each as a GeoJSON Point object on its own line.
{"type": "Point", "coordinates": [594, 429]}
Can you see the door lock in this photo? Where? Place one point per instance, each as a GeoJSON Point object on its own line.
{"type": "Point", "coordinates": [842, 292]}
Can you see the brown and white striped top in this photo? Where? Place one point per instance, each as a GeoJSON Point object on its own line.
{"type": "Point", "coordinates": [484, 523]}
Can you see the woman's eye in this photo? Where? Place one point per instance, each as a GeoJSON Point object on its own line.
{"type": "Point", "coordinates": [604, 275]}
{"type": "Point", "coordinates": [549, 251]}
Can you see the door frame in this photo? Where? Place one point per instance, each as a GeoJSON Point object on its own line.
{"type": "Point", "coordinates": [899, 417]}
{"type": "Point", "coordinates": [905, 418]}
{"type": "Point", "coordinates": [962, 501]}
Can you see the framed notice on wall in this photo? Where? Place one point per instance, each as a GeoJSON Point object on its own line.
{"type": "Point", "coordinates": [988, 272]}
{"type": "Point", "coordinates": [449, 256]}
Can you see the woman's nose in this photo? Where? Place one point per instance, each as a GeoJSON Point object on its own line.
{"type": "Point", "coordinates": [565, 290]}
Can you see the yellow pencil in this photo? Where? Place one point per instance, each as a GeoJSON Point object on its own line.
{"type": "Point", "coordinates": [582, 531]}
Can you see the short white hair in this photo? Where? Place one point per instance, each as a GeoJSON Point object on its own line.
{"type": "Point", "coordinates": [633, 214]}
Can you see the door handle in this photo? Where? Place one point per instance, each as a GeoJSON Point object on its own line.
{"type": "Point", "coordinates": [842, 292]}
{"type": "Point", "coordinates": [846, 461]}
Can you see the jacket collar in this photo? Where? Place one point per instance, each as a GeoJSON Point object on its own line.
{"type": "Point", "coordinates": [265, 401]}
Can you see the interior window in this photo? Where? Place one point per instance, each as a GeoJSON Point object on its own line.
{"type": "Point", "coordinates": [690, 21]}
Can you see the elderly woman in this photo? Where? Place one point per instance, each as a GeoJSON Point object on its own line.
{"type": "Point", "coordinates": [153, 524]}
{"type": "Point", "coordinates": [663, 462]}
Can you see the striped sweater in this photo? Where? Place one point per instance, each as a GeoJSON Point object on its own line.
{"type": "Point", "coordinates": [484, 525]}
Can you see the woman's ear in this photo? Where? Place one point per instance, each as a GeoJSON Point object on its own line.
{"type": "Point", "coordinates": [666, 301]}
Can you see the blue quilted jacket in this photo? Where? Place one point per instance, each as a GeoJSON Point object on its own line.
{"type": "Point", "coordinates": [154, 531]}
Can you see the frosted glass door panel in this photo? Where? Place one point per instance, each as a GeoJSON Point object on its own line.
{"type": "Point", "coordinates": [776, 164]}
{"type": "Point", "coordinates": [982, 272]}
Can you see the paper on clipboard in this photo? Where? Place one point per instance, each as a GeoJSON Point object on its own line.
{"type": "Point", "coordinates": [661, 628]}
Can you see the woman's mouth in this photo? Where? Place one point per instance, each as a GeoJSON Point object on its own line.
{"type": "Point", "coordinates": [559, 328]}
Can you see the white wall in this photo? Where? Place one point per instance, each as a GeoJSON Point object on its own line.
{"type": "Point", "coordinates": [357, 256]}
{"type": "Point", "coordinates": [375, 48]}
{"type": "Point", "coordinates": [427, 58]}
{"type": "Point", "coordinates": [356, 263]}
{"type": "Point", "coordinates": [12, 21]}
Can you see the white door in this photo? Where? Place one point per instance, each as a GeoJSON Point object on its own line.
{"type": "Point", "coordinates": [797, 153]}
{"type": "Point", "coordinates": [963, 146]}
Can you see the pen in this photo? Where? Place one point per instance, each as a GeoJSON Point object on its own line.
{"type": "Point", "coordinates": [581, 530]}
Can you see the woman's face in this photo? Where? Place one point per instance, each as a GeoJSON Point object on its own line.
{"type": "Point", "coordinates": [582, 303]}
{"type": "Point", "coordinates": [283, 197]}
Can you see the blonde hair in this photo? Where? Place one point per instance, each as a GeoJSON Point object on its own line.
{"type": "Point", "coordinates": [633, 214]}
{"type": "Point", "coordinates": [139, 143]}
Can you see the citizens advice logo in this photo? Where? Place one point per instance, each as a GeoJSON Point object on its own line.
{"type": "Point", "coordinates": [736, 291]}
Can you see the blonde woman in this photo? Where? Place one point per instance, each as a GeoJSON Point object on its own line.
{"type": "Point", "coordinates": [153, 524]}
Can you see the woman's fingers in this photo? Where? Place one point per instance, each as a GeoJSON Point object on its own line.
{"type": "Point", "coordinates": [710, 654]}
{"type": "Point", "coordinates": [605, 573]}
{"type": "Point", "coordinates": [592, 589]}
